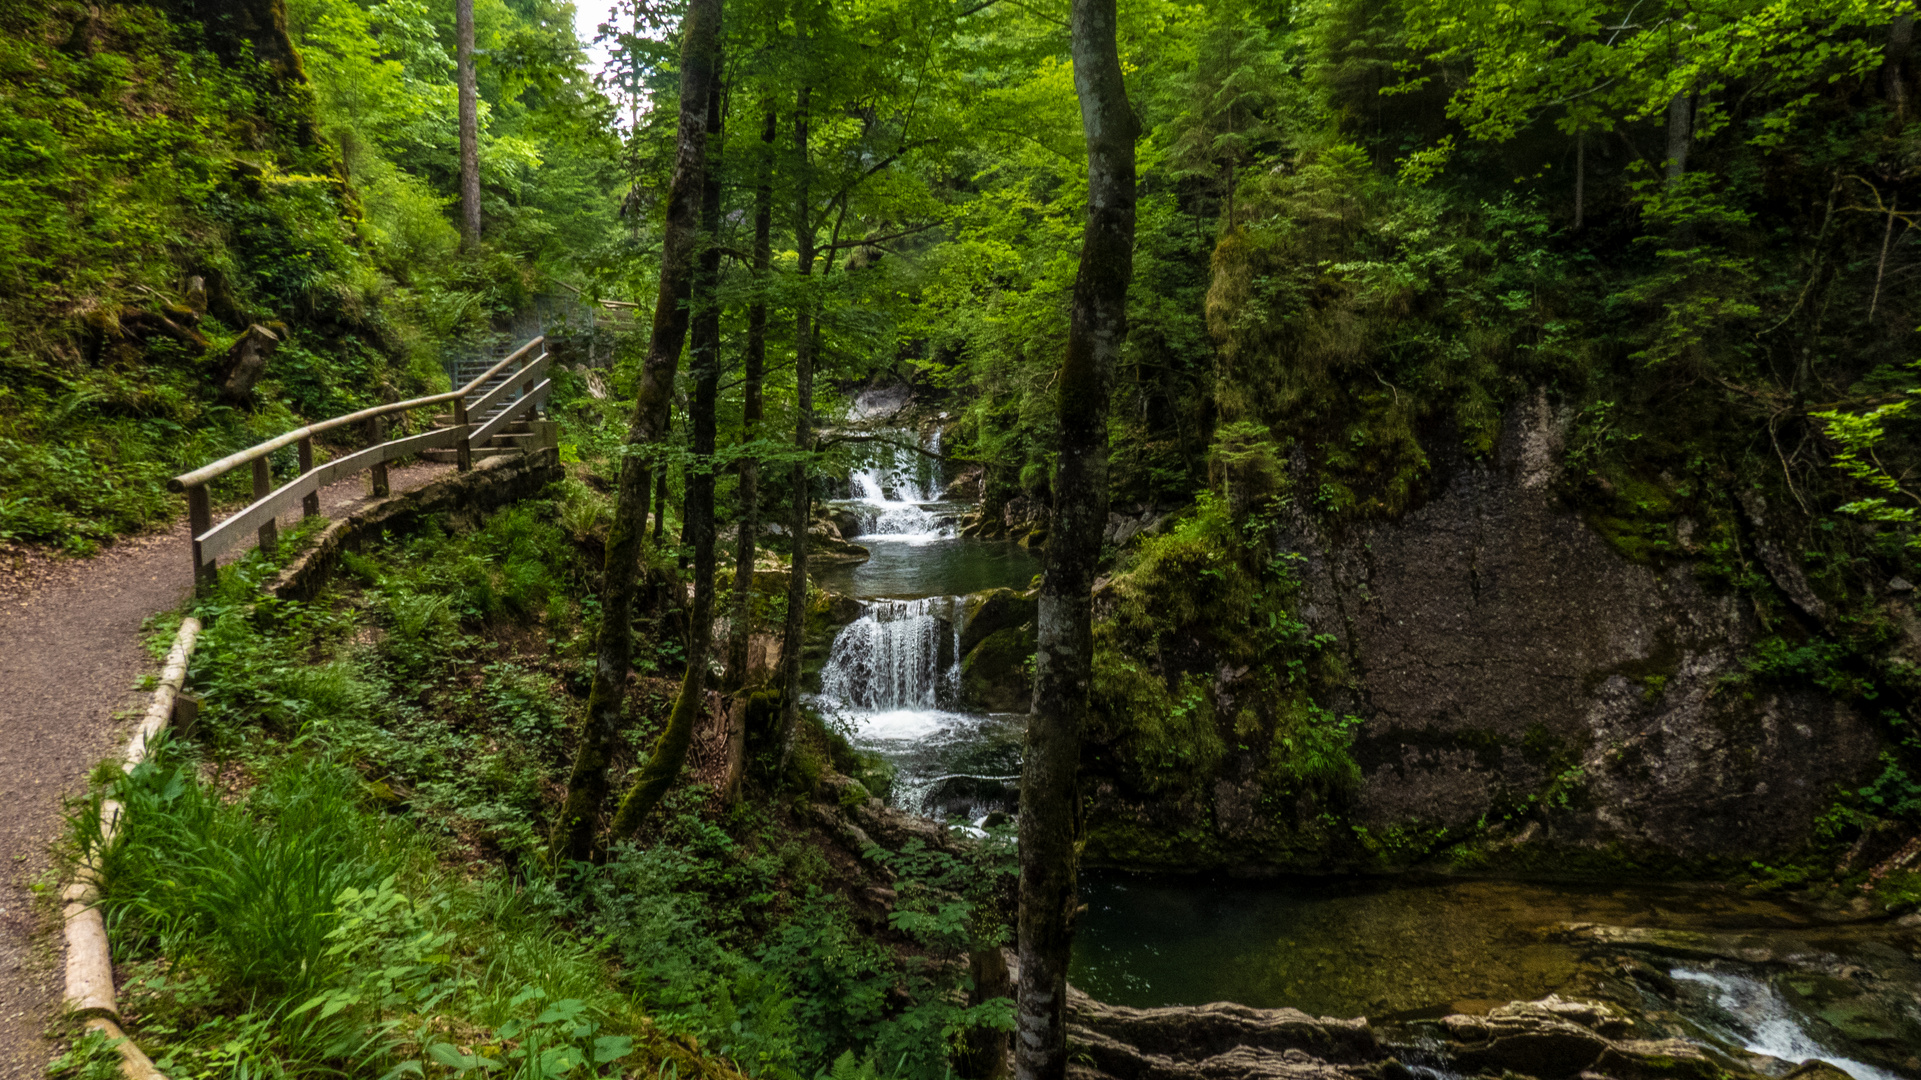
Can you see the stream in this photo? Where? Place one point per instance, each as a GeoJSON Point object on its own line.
{"type": "Point", "coordinates": [1395, 950]}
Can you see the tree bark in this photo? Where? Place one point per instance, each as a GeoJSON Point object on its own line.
{"type": "Point", "coordinates": [469, 123]}
{"type": "Point", "coordinates": [587, 784]}
{"type": "Point", "coordinates": [1900, 43]}
{"type": "Point", "coordinates": [1050, 825]}
{"type": "Point", "coordinates": [796, 623]}
{"type": "Point", "coordinates": [1580, 178]}
{"type": "Point", "coordinates": [660, 505]}
{"type": "Point", "coordinates": [670, 751]}
{"type": "Point", "coordinates": [1680, 135]}
{"type": "Point", "coordinates": [755, 365]}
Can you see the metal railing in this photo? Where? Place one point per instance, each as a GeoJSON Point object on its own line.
{"type": "Point", "coordinates": [524, 387]}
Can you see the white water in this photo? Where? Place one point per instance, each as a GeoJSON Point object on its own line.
{"type": "Point", "coordinates": [893, 494]}
{"type": "Point", "coordinates": [1754, 1016]}
{"type": "Point", "coordinates": [900, 658]}
{"type": "Point", "coordinates": [892, 677]}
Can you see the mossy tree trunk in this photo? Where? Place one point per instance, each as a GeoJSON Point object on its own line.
{"type": "Point", "coordinates": [795, 626]}
{"type": "Point", "coordinates": [740, 615]}
{"type": "Point", "coordinates": [754, 366]}
{"type": "Point", "coordinates": [587, 784]}
{"type": "Point", "coordinates": [1050, 825]}
{"type": "Point", "coordinates": [670, 750]}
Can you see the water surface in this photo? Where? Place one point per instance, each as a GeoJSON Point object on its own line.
{"type": "Point", "coordinates": [1366, 948]}
{"type": "Point", "coordinates": [912, 566]}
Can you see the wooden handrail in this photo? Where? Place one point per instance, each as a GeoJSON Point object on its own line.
{"type": "Point", "coordinates": [207, 473]}
{"type": "Point", "coordinates": [518, 393]}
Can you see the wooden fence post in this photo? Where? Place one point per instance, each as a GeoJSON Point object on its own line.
{"type": "Point", "coordinates": [199, 520]}
{"type": "Point", "coordinates": [376, 434]}
{"type": "Point", "coordinates": [262, 484]}
{"type": "Point", "coordinates": [463, 448]}
{"type": "Point", "coordinates": [310, 504]}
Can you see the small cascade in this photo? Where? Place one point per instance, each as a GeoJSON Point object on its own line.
{"type": "Point", "coordinates": [902, 655]}
{"type": "Point", "coordinates": [1426, 1059]}
{"type": "Point", "coordinates": [1747, 1012]}
{"type": "Point", "coordinates": [893, 676]}
{"type": "Point", "coordinates": [893, 493]}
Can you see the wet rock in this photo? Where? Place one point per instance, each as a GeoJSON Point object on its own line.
{"type": "Point", "coordinates": [1649, 976]}
{"type": "Point", "coordinates": [993, 611]}
{"type": "Point", "coordinates": [1553, 1038]}
{"type": "Point", "coordinates": [847, 524]}
{"type": "Point", "coordinates": [1746, 948]}
{"type": "Point", "coordinates": [1124, 525]}
{"type": "Point", "coordinates": [1548, 1039]}
{"type": "Point", "coordinates": [1208, 1030]}
{"type": "Point", "coordinates": [967, 486]}
{"type": "Point", "coordinates": [824, 549]}
{"type": "Point", "coordinates": [995, 675]}
{"type": "Point", "coordinates": [1818, 1070]}
{"type": "Point", "coordinates": [875, 821]}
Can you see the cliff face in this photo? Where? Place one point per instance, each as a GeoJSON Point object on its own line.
{"type": "Point", "coordinates": [1503, 648]}
{"type": "Point", "coordinates": [1525, 690]}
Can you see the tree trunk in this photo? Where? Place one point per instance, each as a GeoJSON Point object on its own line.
{"type": "Point", "coordinates": [755, 365]}
{"type": "Point", "coordinates": [660, 505]}
{"type": "Point", "coordinates": [795, 626]}
{"type": "Point", "coordinates": [1580, 178]}
{"type": "Point", "coordinates": [587, 785]}
{"type": "Point", "coordinates": [985, 1056]}
{"type": "Point", "coordinates": [670, 751]}
{"type": "Point", "coordinates": [1900, 42]}
{"type": "Point", "coordinates": [469, 123]}
{"type": "Point", "coordinates": [1050, 825]}
{"type": "Point", "coordinates": [1680, 135]}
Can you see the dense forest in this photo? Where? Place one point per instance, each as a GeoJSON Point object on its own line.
{"type": "Point", "coordinates": [1035, 483]}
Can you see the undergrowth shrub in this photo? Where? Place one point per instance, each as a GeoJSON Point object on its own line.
{"type": "Point", "coordinates": [294, 929]}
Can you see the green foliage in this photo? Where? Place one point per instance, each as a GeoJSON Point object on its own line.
{"type": "Point", "coordinates": [1611, 64]}
{"type": "Point", "coordinates": [160, 191]}
{"type": "Point", "coordinates": [1201, 618]}
{"type": "Point", "coordinates": [94, 1055]}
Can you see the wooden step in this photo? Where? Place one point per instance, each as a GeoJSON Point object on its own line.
{"type": "Point", "coordinates": [452, 456]}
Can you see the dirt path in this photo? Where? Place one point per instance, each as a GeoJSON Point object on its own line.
{"type": "Point", "coordinates": [71, 652]}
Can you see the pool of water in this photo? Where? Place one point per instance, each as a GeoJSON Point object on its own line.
{"type": "Point", "coordinates": [1366, 948]}
{"type": "Point", "coordinates": [921, 565]}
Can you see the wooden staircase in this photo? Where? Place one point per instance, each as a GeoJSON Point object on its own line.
{"type": "Point", "coordinates": [514, 437]}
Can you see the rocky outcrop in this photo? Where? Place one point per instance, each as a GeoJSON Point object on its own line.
{"type": "Point", "coordinates": [1556, 1038]}
{"type": "Point", "coordinates": [1548, 1039]}
{"type": "Point", "coordinates": [1502, 648]}
{"type": "Point", "coordinates": [1524, 684]}
{"type": "Point", "coordinates": [997, 642]}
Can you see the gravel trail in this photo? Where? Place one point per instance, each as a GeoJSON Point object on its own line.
{"type": "Point", "coordinates": [71, 654]}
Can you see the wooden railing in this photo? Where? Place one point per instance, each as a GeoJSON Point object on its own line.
{"type": "Point", "coordinates": [524, 388]}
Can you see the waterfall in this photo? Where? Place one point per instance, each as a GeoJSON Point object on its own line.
{"type": "Point", "coordinates": [893, 491]}
{"type": "Point", "coordinates": [1748, 1012]}
{"type": "Point", "coordinates": [893, 676]}
{"type": "Point", "coordinates": [899, 656]}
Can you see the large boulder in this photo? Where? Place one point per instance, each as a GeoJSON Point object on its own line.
{"type": "Point", "coordinates": [995, 675]}
{"type": "Point", "coordinates": [992, 611]}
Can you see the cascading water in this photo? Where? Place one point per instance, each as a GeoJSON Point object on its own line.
{"type": "Point", "coordinates": [1744, 1011]}
{"type": "Point", "coordinates": [895, 490]}
{"type": "Point", "coordinates": [892, 677]}
{"type": "Point", "coordinates": [901, 656]}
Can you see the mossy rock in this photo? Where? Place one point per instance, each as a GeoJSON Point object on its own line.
{"type": "Point", "coordinates": [994, 674]}
{"type": "Point", "coordinates": [990, 612]}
